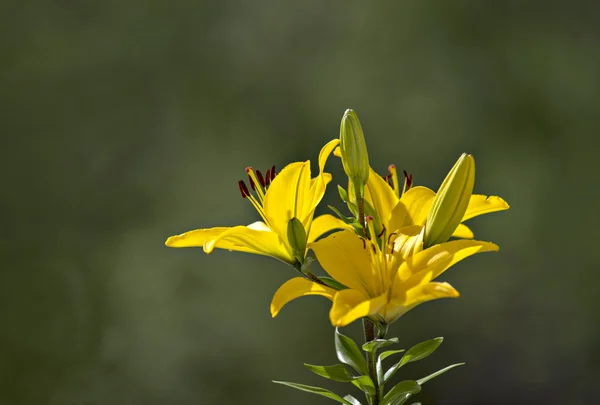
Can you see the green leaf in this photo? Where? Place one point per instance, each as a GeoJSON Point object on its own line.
{"type": "Point", "coordinates": [333, 283]}
{"type": "Point", "coordinates": [352, 400]}
{"type": "Point", "coordinates": [376, 344]}
{"type": "Point", "coordinates": [348, 220]}
{"type": "Point", "coordinates": [315, 390]}
{"type": "Point", "coordinates": [442, 371]}
{"type": "Point", "coordinates": [336, 372]}
{"type": "Point", "coordinates": [417, 352]}
{"type": "Point", "coordinates": [365, 384]}
{"type": "Point", "coordinates": [401, 392]}
{"type": "Point", "coordinates": [389, 353]}
{"type": "Point", "coordinates": [348, 353]}
{"type": "Point", "coordinates": [343, 193]}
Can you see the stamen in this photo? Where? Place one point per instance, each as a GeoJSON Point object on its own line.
{"type": "Point", "coordinates": [243, 189]}
{"type": "Point", "coordinates": [382, 231]}
{"type": "Point", "coordinates": [255, 184]}
{"type": "Point", "coordinates": [252, 185]}
{"type": "Point", "coordinates": [394, 175]}
{"type": "Point", "coordinates": [273, 174]}
{"type": "Point", "coordinates": [407, 181]}
{"type": "Point", "coordinates": [261, 179]}
{"type": "Point", "coordinates": [371, 227]}
{"type": "Point", "coordinates": [268, 177]}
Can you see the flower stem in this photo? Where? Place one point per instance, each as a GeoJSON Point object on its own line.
{"type": "Point", "coordinates": [369, 330]}
{"type": "Point", "coordinates": [360, 202]}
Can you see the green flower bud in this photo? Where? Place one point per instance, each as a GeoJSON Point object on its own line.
{"type": "Point", "coordinates": [353, 148]}
{"type": "Point", "coordinates": [296, 235]}
{"type": "Point", "coordinates": [451, 202]}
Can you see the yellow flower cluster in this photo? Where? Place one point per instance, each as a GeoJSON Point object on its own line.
{"type": "Point", "coordinates": [385, 261]}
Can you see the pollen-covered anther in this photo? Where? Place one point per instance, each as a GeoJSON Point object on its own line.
{"type": "Point", "coordinates": [273, 174]}
{"type": "Point", "coordinates": [261, 179]}
{"type": "Point", "coordinates": [243, 189]}
{"type": "Point", "coordinates": [268, 177]}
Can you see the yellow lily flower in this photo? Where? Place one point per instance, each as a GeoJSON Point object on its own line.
{"type": "Point", "coordinates": [382, 283]}
{"type": "Point", "coordinates": [278, 199]}
{"type": "Point", "coordinates": [397, 208]}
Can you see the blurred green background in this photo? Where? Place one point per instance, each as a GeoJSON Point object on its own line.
{"type": "Point", "coordinates": [124, 122]}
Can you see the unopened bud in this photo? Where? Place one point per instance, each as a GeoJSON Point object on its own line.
{"type": "Point", "coordinates": [296, 235]}
{"type": "Point", "coordinates": [353, 148]}
{"type": "Point", "coordinates": [451, 202]}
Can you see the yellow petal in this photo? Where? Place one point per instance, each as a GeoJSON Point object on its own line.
{"type": "Point", "coordinates": [379, 194]}
{"type": "Point", "coordinates": [286, 196]}
{"type": "Point", "coordinates": [323, 224]}
{"type": "Point", "coordinates": [325, 152]}
{"type": "Point", "coordinates": [344, 257]}
{"type": "Point", "coordinates": [319, 183]}
{"type": "Point", "coordinates": [195, 238]}
{"type": "Point", "coordinates": [255, 238]}
{"type": "Point", "coordinates": [463, 232]}
{"type": "Point", "coordinates": [295, 288]}
{"type": "Point", "coordinates": [430, 263]}
{"type": "Point", "coordinates": [350, 305]}
{"type": "Point", "coordinates": [418, 201]}
{"type": "Point", "coordinates": [428, 292]}
{"type": "Point", "coordinates": [481, 204]}
{"type": "Point", "coordinates": [198, 237]}
{"type": "Point", "coordinates": [408, 240]}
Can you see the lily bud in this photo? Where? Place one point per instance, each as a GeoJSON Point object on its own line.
{"type": "Point", "coordinates": [353, 148]}
{"type": "Point", "coordinates": [296, 235]}
{"type": "Point", "coordinates": [451, 202]}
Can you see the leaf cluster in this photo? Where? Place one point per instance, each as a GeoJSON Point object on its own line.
{"type": "Point", "coordinates": [353, 369]}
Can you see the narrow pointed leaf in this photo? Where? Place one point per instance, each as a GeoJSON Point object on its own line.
{"type": "Point", "coordinates": [336, 372]}
{"type": "Point", "coordinates": [333, 283]}
{"type": "Point", "coordinates": [422, 350]}
{"type": "Point", "coordinates": [348, 353]}
{"type": "Point", "coordinates": [343, 193]}
{"type": "Point", "coordinates": [377, 344]}
{"type": "Point", "coordinates": [401, 392]}
{"type": "Point", "coordinates": [352, 400]}
{"type": "Point", "coordinates": [415, 353]}
{"type": "Point", "coordinates": [315, 390]}
{"type": "Point", "coordinates": [348, 220]}
{"type": "Point", "coordinates": [442, 371]}
{"type": "Point", "coordinates": [389, 353]}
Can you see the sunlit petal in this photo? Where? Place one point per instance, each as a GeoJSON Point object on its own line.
{"type": "Point", "coordinates": [463, 232]}
{"type": "Point", "coordinates": [430, 263]}
{"type": "Point", "coordinates": [255, 238]}
{"type": "Point", "coordinates": [323, 224]}
{"type": "Point", "coordinates": [295, 288]}
{"type": "Point", "coordinates": [350, 305]}
{"type": "Point", "coordinates": [418, 201]}
{"type": "Point", "coordinates": [286, 196]}
{"type": "Point", "coordinates": [482, 204]}
{"type": "Point", "coordinates": [428, 292]}
{"type": "Point", "coordinates": [344, 257]}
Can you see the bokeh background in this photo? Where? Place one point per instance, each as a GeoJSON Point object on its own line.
{"type": "Point", "coordinates": [123, 122]}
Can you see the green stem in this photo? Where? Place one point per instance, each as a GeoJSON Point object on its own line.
{"type": "Point", "coordinates": [369, 329]}
{"type": "Point", "coordinates": [360, 202]}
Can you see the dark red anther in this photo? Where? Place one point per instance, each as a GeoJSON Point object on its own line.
{"type": "Point", "coordinates": [243, 189]}
{"type": "Point", "coordinates": [408, 178]}
{"type": "Point", "coordinates": [251, 183]}
{"type": "Point", "coordinates": [273, 174]}
{"type": "Point", "coordinates": [268, 177]}
{"type": "Point", "coordinates": [261, 179]}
